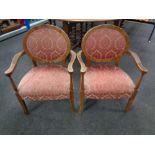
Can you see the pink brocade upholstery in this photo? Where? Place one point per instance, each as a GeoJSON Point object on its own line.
{"type": "Point", "coordinates": [107, 82]}
{"type": "Point", "coordinates": [46, 44]}
{"type": "Point", "coordinates": [45, 83]}
{"type": "Point", "coordinates": [105, 43]}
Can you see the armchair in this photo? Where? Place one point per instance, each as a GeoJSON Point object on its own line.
{"type": "Point", "coordinates": [107, 43]}
{"type": "Point", "coordinates": [46, 45]}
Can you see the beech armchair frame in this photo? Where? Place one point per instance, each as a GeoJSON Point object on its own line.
{"type": "Point", "coordinates": [84, 66]}
{"type": "Point", "coordinates": [139, 66]}
{"type": "Point", "coordinates": [17, 57]}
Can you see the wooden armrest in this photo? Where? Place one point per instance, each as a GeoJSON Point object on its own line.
{"type": "Point", "coordinates": [14, 63]}
{"type": "Point", "coordinates": [137, 61]}
{"type": "Point", "coordinates": [70, 65]}
{"type": "Point", "coordinates": [83, 66]}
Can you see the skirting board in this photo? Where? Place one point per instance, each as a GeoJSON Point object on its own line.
{"type": "Point", "coordinates": [21, 30]}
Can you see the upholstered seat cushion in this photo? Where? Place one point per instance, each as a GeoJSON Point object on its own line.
{"type": "Point", "coordinates": [45, 83]}
{"type": "Point", "coordinates": [107, 82]}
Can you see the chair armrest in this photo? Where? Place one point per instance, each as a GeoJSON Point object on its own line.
{"type": "Point", "coordinates": [14, 63]}
{"type": "Point", "coordinates": [137, 61]}
{"type": "Point", "coordinates": [70, 65]}
{"type": "Point", "coordinates": [83, 66]}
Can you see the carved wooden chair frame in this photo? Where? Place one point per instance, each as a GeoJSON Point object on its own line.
{"type": "Point", "coordinates": [130, 53]}
{"type": "Point", "coordinates": [62, 60]}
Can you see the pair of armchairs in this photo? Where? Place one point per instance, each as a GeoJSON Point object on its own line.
{"type": "Point", "coordinates": [47, 45]}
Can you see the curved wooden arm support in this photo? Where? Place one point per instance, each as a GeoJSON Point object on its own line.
{"type": "Point", "coordinates": [83, 70]}
{"type": "Point", "coordinates": [70, 65]}
{"type": "Point", "coordinates": [83, 66]}
{"type": "Point", "coordinates": [14, 63]}
{"type": "Point", "coordinates": [137, 61]}
{"type": "Point", "coordinates": [143, 71]}
{"type": "Point", "coordinates": [70, 70]}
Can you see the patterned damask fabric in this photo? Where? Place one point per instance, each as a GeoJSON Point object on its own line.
{"type": "Point", "coordinates": [45, 83]}
{"type": "Point", "coordinates": [107, 82]}
{"type": "Point", "coordinates": [46, 44]}
{"type": "Point", "coordinates": [105, 43]}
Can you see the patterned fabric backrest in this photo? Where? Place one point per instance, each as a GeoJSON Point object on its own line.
{"type": "Point", "coordinates": [104, 43]}
{"type": "Point", "coordinates": [46, 44]}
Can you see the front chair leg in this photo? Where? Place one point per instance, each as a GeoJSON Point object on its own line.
{"type": "Point", "coordinates": [82, 93]}
{"type": "Point", "coordinates": [22, 103]}
{"type": "Point", "coordinates": [130, 101]}
{"type": "Point", "coordinates": [81, 102]}
{"type": "Point", "coordinates": [72, 109]}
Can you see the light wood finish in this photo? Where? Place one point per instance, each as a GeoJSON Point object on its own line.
{"type": "Point", "coordinates": [72, 108]}
{"type": "Point", "coordinates": [70, 70]}
{"type": "Point", "coordinates": [82, 98]}
{"type": "Point", "coordinates": [82, 70]}
{"type": "Point", "coordinates": [9, 72]}
{"type": "Point", "coordinates": [137, 61]}
{"type": "Point", "coordinates": [21, 101]}
{"type": "Point", "coordinates": [83, 66]}
{"type": "Point", "coordinates": [14, 63]}
{"type": "Point", "coordinates": [143, 71]}
{"type": "Point", "coordinates": [131, 99]}
{"type": "Point", "coordinates": [132, 54]}
{"type": "Point", "coordinates": [70, 65]}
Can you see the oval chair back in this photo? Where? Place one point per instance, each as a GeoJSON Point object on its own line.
{"type": "Point", "coordinates": [104, 43]}
{"type": "Point", "coordinates": [47, 44]}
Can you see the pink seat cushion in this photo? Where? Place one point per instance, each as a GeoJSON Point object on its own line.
{"type": "Point", "coordinates": [45, 83]}
{"type": "Point", "coordinates": [107, 82]}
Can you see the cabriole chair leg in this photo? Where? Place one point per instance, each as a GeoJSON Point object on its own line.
{"type": "Point", "coordinates": [22, 103]}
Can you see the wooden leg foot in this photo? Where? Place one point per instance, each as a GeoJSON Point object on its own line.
{"type": "Point", "coordinates": [24, 107]}
{"type": "Point", "coordinates": [81, 109]}
{"type": "Point", "coordinates": [72, 108]}
{"type": "Point", "coordinates": [129, 104]}
{"type": "Point", "coordinates": [22, 103]}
